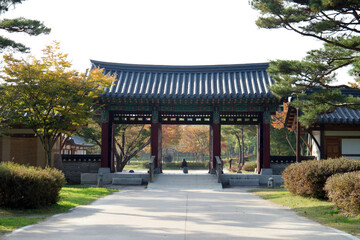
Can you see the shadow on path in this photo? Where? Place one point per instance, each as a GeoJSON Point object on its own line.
{"type": "Point", "coordinates": [179, 214]}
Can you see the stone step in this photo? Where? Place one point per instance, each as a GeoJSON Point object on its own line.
{"type": "Point", "coordinates": [244, 176]}
{"type": "Point", "coordinates": [250, 179]}
{"type": "Point", "coordinates": [244, 182]}
{"type": "Point", "coordinates": [126, 181]}
{"type": "Point", "coordinates": [185, 182]}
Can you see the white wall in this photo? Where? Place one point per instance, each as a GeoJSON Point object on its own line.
{"type": "Point", "coordinates": [342, 133]}
{"type": "Point", "coordinates": [350, 146]}
{"type": "Point", "coordinates": [315, 150]}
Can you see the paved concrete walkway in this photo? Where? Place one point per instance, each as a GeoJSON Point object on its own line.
{"type": "Point", "coordinates": [137, 213]}
{"type": "Point", "coordinates": [181, 181]}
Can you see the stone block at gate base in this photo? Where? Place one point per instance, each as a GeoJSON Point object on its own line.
{"type": "Point", "coordinates": [236, 179]}
{"type": "Point", "coordinates": [244, 182]}
{"type": "Point", "coordinates": [104, 170]}
{"type": "Point", "coordinates": [266, 171]}
{"type": "Point", "coordinates": [126, 181]}
{"type": "Point", "coordinates": [92, 178]}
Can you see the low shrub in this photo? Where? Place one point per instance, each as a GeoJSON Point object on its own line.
{"type": "Point", "coordinates": [344, 191]}
{"type": "Point", "coordinates": [308, 178]}
{"type": "Point", "coordinates": [250, 166]}
{"type": "Point", "coordinates": [29, 187]}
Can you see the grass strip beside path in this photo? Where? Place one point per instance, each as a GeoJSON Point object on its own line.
{"type": "Point", "coordinates": [70, 196]}
{"type": "Point", "coordinates": [320, 211]}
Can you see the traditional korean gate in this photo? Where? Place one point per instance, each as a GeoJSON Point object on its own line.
{"type": "Point", "coordinates": [207, 95]}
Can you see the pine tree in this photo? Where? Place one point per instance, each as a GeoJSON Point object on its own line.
{"type": "Point", "coordinates": [18, 25]}
{"type": "Point", "coordinates": [337, 24]}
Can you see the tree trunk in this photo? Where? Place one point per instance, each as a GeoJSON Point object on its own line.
{"type": "Point", "coordinates": [118, 159]}
{"type": "Point", "coordinates": [48, 145]}
{"type": "Point", "coordinates": [242, 147]}
{"type": "Point", "coordinates": [288, 141]}
{"type": "Point", "coordinates": [239, 144]}
{"type": "Point", "coordinates": [173, 158]}
{"type": "Point", "coordinates": [48, 155]}
{"type": "Point", "coordinates": [123, 164]}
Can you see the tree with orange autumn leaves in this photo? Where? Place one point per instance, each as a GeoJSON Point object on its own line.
{"type": "Point", "coordinates": [278, 120]}
{"type": "Point", "coordinates": [171, 135]}
{"type": "Point", "coordinates": [195, 139]}
{"type": "Point", "coordinates": [279, 133]}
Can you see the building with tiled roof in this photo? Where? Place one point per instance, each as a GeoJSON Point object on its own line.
{"type": "Point", "coordinates": [206, 94]}
{"type": "Point", "coordinates": [335, 133]}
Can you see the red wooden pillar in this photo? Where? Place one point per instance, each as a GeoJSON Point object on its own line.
{"type": "Point", "coordinates": [215, 143]}
{"type": "Point", "coordinates": [105, 147]}
{"type": "Point", "coordinates": [107, 156]}
{"type": "Point", "coordinates": [298, 134]}
{"type": "Point", "coordinates": [322, 142]}
{"type": "Point", "coordinates": [259, 144]}
{"type": "Point", "coordinates": [156, 143]}
{"type": "Point", "coordinates": [266, 145]}
{"type": "Point", "coordinates": [263, 144]}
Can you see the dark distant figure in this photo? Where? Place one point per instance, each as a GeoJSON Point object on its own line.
{"type": "Point", "coordinates": [184, 166]}
{"type": "Point", "coordinates": [184, 163]}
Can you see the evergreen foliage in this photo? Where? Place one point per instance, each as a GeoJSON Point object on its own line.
{"type": "Point", "coordinates": [337, 24]}
{"type": "Point", "coordinates": [243, 137]}
{"type": "Point", "coordinates": [18, 25]}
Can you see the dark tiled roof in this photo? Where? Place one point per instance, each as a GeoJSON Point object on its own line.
{"type": "Point", "coordinates": [345, 91]}
{"type": "Point", "coordinates": [79, 141]}
{"type": "Point", "coordinates": [217, 81]}
{"type": "Point", "coordinates": [341, 115]}
{"type": "Point", "coordinates": [350, 91]}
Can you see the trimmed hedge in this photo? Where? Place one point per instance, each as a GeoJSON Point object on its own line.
{"type": "Point", "coordinates": [250, 166]}
{"type": "Point", "coordinates": [308, 178]}
{"type": "Point", "coordinates": [29, 187]}
{"type": "Point", "coordinates": [344, 191]}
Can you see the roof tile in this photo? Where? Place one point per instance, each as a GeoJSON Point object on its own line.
{"type": "Point", "coordinates": [341, 115]}
{"type": "Point", "coordinates": [209, 81]}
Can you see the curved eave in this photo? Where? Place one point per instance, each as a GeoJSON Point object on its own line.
{"type": "Point", "coordinates": [341, 115]}
{"type": "Point", "coordinates": [111, 66]}
{"type": "Point", "coordinates": [248, 81]}
{"type": "Point", "coordinates": [109, 99]}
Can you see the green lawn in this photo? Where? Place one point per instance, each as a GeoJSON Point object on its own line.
{"type": "Point", "coordinates": [135, 165]}
{"type": "Point", "coordinates": [71, 196]}
{"type": "Point", "coordinates": [320, 211]}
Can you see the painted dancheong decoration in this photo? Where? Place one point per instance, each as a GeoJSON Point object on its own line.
{"type": "Point", "coordinates": [212, 94]}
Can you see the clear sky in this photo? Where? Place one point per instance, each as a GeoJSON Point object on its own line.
{"type": "Point", "coordinates": [165, 32]}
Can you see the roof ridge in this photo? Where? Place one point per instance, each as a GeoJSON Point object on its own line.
{"type": "Point", "coordinates": [180, 68]}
